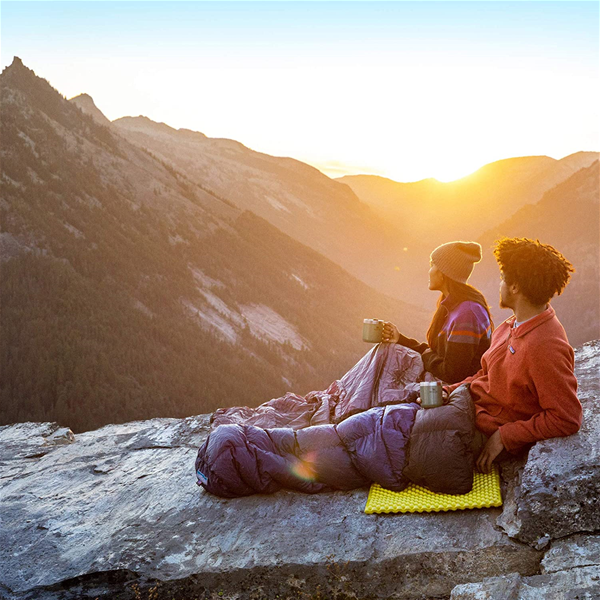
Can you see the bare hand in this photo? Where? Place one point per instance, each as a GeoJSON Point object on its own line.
{"type": "Point", "coordinates": [490, 451]}
{"type": "Point", "coordinates": [390, 333]}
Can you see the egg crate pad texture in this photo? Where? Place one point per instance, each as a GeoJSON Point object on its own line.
{"type": "Point", "coordinates": [485, 494]}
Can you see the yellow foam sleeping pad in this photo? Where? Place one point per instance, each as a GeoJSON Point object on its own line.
{"type": "Point", "coordinates": [485, 494]}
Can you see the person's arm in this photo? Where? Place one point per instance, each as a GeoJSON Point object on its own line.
{"type": "Point", "coordinates": [413, 344]}
{"type": "Point", "coordinates": [553, 380]}
{"type": "Point", "coordinates": [393, 336]}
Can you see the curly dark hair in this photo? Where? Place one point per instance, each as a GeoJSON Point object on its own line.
{"type": "Point", "coordinates": [538, 269]}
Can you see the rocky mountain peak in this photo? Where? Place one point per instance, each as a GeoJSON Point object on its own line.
{"type": "Point", "coordinates": [16, 63]}
{"type": "Point", "coordinates": [17, 80]}
{"type": "Point", "coordinates": [16, 67]}
{"type": "Point", "coordinates": [86, 103]}
{"type": "Point", "coordinates": [82, 98]}
{"type": "Point", "coordinates": [143, 124]}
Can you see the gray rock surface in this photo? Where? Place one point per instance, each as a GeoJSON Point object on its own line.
{"type": "Point", "coordinates": [505, 587]}
{"type": "Point", "coordinates": [553, 494]}
{"type": "Point", "coordinates": [570, 571]}
{"type": "Point", "coordinates": [97, 514]}
{"type": "Point", "coordinates": [577, 551]}
{"type": "Point", "coordinates": [120, 506]}
{"type": "Point", "coordinates": [556, 493]}
{"type": "Point", "coordinates": [575, 584]}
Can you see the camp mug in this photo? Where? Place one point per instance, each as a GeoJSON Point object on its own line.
{"type": "Point", "coordinates": [431, 394]}
{"type": "Point", "coordinates": [372, 330]}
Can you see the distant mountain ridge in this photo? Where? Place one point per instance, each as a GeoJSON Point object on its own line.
{"type": "Point", "coordinates": [463, 209]}
{"type": "Point", "coordinates": [469, 206]}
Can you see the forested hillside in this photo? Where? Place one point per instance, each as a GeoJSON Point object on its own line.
{"type": "Point", "coordinates": [129, 291]}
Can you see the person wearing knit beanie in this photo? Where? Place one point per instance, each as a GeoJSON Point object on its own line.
{"type": "Point", "coordinates": [461, 327]}
{"type": "Point", "coordinates": [457, 259]}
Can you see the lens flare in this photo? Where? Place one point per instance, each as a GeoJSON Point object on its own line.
{"type": "Point", "coordinates": [304, 468]}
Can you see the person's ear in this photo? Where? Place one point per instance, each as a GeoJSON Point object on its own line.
{"type": "Point", "coordinates": [514, 289]}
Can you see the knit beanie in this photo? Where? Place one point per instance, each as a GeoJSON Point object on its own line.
{"type": "Point", "coordinates": [456, 259]}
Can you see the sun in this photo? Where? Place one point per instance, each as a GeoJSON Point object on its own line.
{"type": "Point", "coordinates": [448, 172]}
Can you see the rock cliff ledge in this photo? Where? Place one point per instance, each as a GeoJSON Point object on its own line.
{"type": "Point", "coordinates": [116, 513]}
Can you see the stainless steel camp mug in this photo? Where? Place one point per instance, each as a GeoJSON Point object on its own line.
{"type": "Point", "coordinates": [372, 330]}
{"type": "Point", "coordinates": [431, 394]}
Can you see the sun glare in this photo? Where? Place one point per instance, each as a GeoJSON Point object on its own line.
{"type": "Point", "coordinates": [452, 172]}
{"type": "Point", "coordinates": [445, 173]}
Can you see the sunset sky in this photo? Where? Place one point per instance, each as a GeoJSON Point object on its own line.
{"type": "Point", "coordinates": [407, 90]}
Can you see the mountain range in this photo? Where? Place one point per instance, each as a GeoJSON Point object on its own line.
{"type": "Point", "coordinates": [469, 206]}
{"type": "Point", "coordinates": [407, 220]}
{"type": "Point", "coordinates": [150, 271]}
{"type": "Point", "coordinates": [291, 195]}
{"type": "Point", "coordinates": [381, 231]}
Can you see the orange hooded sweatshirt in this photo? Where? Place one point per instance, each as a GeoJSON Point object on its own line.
{"type": "Point", "coordinates": [526, 386]}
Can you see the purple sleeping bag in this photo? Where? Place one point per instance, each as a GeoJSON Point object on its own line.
{"type": "Point", "coordinates": [362, 429]}
{"type": "Point", "coordinates": [239, 460]}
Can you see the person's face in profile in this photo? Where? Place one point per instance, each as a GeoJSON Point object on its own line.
{"type": "Point", "coordinates": [436, 279]}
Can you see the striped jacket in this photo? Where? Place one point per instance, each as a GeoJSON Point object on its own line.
{"type": "Point", "coordinates": [461, 342]}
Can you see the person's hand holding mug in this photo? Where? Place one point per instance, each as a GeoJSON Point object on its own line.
{"type": "Point", "coordinates": [445, 397]}
{"type": "Point", "coordinates": [390, 334]}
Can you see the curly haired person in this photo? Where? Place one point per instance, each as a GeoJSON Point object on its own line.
{"type": "Point", "coordinates": [526, 389]}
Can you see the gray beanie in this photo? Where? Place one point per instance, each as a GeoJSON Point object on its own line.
{"type": "Point", "coordinates": [456, 259]}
